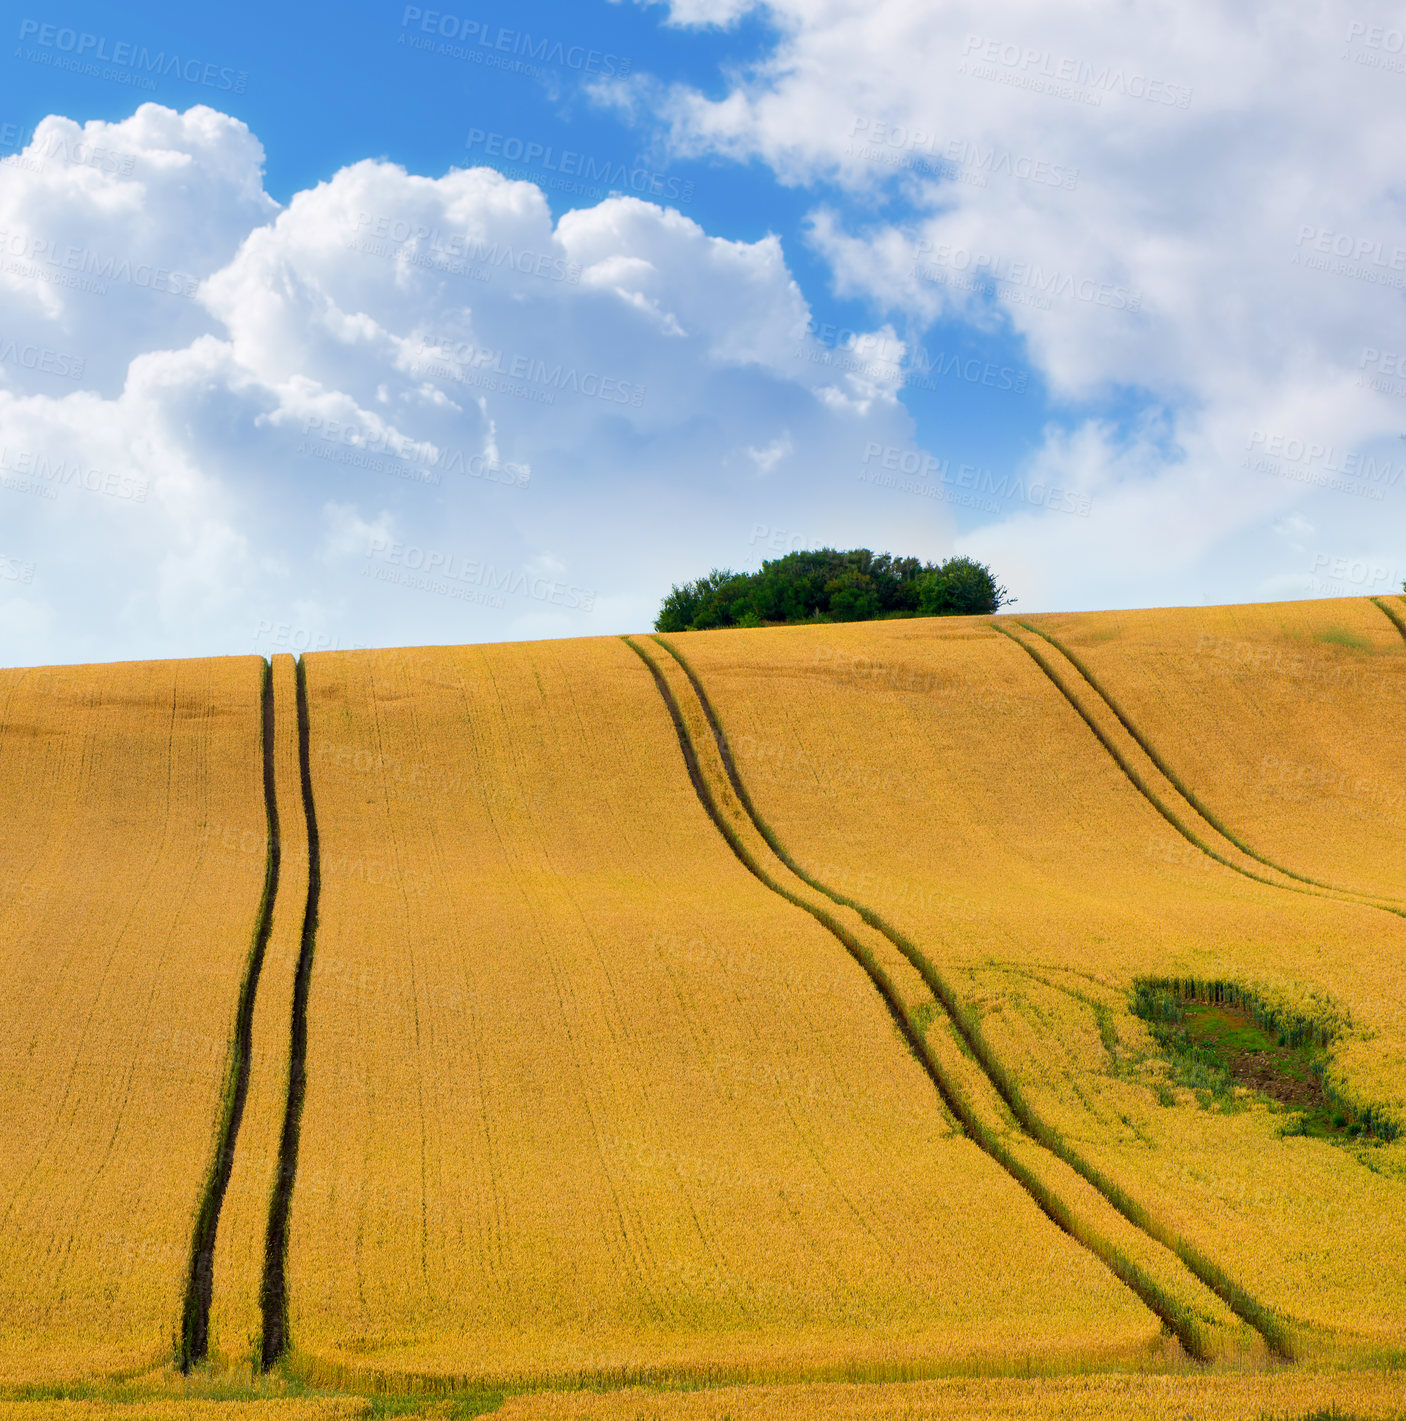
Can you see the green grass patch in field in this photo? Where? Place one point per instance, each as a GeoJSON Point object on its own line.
{"type": "Point", "coordinates": [1341, 636]}
{"type": "Point", "coordinates": [1220, 1052]}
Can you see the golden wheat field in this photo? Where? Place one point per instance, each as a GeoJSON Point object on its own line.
{"type": "Point", "coordinates": [1084, 1398]}
{"type": "Point", "coordinates": [1203, 1325]}
{"type": "Point", "coordinates": [934, 773]}
{"type": "Point", "coordinates": [1367, 1396]}
{"type": "Point", "coordinates": [1278, 715]}
{"type": "Point", "coordinates": [587, 1103]}
{"type": "Point", "coordinates": [736, 1024]}
{"type": "Point", "coordinates": [126, 926]}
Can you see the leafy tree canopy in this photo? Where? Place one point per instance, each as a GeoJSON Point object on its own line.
{"type": "Point", "coordinates": [826, 585]}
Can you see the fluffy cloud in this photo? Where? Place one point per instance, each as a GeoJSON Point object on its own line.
{"type": "Point", "coordinates": [400, 409]}
{"type": "Point", "coordinates": [107, 230]}
{"type": "Point", "coordinates": [1192, 210]}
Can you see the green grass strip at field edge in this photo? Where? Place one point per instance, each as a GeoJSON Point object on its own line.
{"type": "Point", "coordinates": [273, 1292]}
{"type": "Point", "coordinates": [195, 1310]}
{"type": "Point", "coordinates": [1167, 1309]}
{"type": "Point", "coordinates": [1277, 1335]}
{"type": "Point", "coordinates": [1185, 790]}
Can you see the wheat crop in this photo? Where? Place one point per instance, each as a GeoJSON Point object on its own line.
{"type": "Point", "coordinates": [1286, 1397]}
{"type": "Point", "coordinates": [1274, 715]}
{"type": "Point", "coordinates": [588, 1103]}
{"type": "Point", "coordinates": [1200, 1321]}
{"type": "Point", "coordinates": [157, 1408]}
{"type": "Point", "coordinates": [931, 771]}
{"type": "Point", "coordinates": [125, 935]}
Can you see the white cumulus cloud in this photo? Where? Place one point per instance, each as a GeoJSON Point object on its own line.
{"type": "Point", "coordinates": [1192, 209]}
{"type": "Point", "coordinates": [399, 409]}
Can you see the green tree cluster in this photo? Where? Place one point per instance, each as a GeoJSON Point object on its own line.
{"type": "Point", "coordinates": [826, 585]}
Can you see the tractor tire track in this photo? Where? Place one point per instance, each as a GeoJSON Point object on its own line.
{"type": "Point", "coordinates": [1175, 1316]}
{"type": "Point", "coordinates": [273, 1295]}
{"type": "Point", "coordinates": [1189, 818]}
{"type": "Point", "coordinates": [1201, 810]}
{"type": "Point", "coordinates": [1397, 620]}
{"type": "Point", "coordinates": [195, 1312]}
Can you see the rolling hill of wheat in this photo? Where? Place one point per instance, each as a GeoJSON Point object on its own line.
{"type": "Point", "coordinates": [742, 1023]}
{"type": "Point", "coordinates": [937, 775]}
{"type": "Point", "coordinates": [586, 1102]}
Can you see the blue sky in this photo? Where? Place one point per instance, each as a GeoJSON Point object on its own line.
{"type": "Point", "coordinates": [328, 86]}
{"type": "Point", "coordinates": [1108, 271]}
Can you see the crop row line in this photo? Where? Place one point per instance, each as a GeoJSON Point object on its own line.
{"type": "Point", "coordinates": [1178, 822]}
{"type": "Point", "coordinates": [1392, 614]}
{"type": "Point", "coordinates": [1380, 1122]}
{"type": "Point", "coordinates": [1302, 885]}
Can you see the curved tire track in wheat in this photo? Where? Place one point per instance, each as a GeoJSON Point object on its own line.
{"type": "Point", "coordinates": [273, 1298]}
{"type": "Point", "coordinates": [1173, 1315]}
{"type": "Point", "coordinates": [1189, 819]}
{"type": "Point", "coordinates": [1184, 790]}
{"type": "Point", "coordinates": [1390, 612]}
{"type": "Point", "coordinates": [1276, 1334]}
